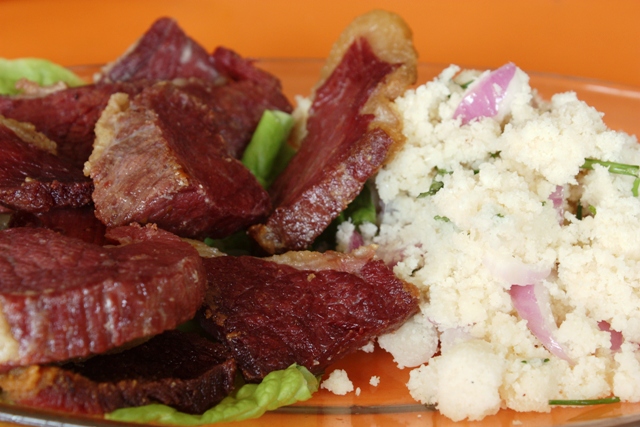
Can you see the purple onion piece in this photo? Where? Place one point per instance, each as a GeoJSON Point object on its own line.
{"type": "Point", "coordinates": [483, 98]}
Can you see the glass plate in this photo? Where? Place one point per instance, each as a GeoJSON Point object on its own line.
{"type": "Point", "coordinates": [389, 403]}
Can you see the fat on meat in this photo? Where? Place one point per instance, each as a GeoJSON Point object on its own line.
{"type": "Point", "coordinates": [352, 128]}
{"type": "Point", "coordinates": [307, 308]}
{"type": "Point", "coordinates": [63, 298]}
{"type": "Point", "coordinates": [67, 116]}
{"type": "Point", "coordinates": [32, 177]}
{"type": "Point", "coordinates": [159, 159]}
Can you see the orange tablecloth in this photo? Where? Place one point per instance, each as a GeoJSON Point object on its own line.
{"type": "Point", "coordinates": [591, 38]}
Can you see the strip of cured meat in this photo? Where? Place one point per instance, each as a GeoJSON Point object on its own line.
{"type": "Point", "coordinates": [164, 52]}
{"type": "Point", "coordinates": [182, 370]}
{"type": "Point", "coordinates": [351, 129]}
{"type": "Point", "coordinates": [157, 159]}
{"type": "Point", "coordinates": [67, 116]}
{"type": "Point", "coordinates": [32, 177]}
{"type": "Point", "coordinates": [295, 308]}
{"type": "Point", "coordinates": [240, 103]}
{"type": "Point", "coordinates": [62, 298]}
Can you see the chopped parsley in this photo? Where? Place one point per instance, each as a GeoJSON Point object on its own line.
{"type": "Point", "coordinates": [619, 169]}
{"type": "Point", "coordinates": [433, 189]}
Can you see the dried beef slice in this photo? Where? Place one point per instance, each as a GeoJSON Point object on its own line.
{"type": "Point", "coordinates": [32, 177]}
{"type": "Point", "coordinates": [182, 370]}
{"type": "Point", "coordinates": [306, 308]}
{"type": "Point", "coordinates": [239, 103]}
{"type": "Point", "coordinates": [67, 116]}
{"type": "Point", "coordinates": [163, 52]}
{"type": "Point", "coordinates": [62, 298]}
{"type": "Point", "coordinates": [157, 160]}
{"type": "Point", "coordinates": [352, 128]}
{"type": "Point", "coordinates": [238, 92]}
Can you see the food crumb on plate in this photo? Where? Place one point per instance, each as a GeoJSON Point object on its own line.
{"type": "Point", "coordinates": [369, 347]}
{"type": "Point", "coordinates": [338, 382]}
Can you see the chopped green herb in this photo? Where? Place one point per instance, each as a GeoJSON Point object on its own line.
{"type": "Point", "coordinates": [579, 211]}
{"type": "Point", "coordinates": [500, 215]}
{"type": "Point", "coordinates": [495, 154]}
{"type": "Point", "coordinates": [617, 168]}
{"type": "Point", "coordinates": [585, 402]}
{"type": "Point", "coordinates": [466, 85]}
{"type": "Point", "coordinates": [441, 218]}
{"type": "Point", "coordinates": [433, 189]}
{"type": "Point", "coordinates": [592, 209]}
{"type": "Point", "coordinates": [440, 171]}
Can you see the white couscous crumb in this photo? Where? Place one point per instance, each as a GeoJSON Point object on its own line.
{"type": "Point", "coordinates": [496, 213]}
{"type": "Point", "coordinates": [374, 381]}
{"type": "Point", "coordinates": [369, 347]}
{"type": "Point", "coordinates": [338, 382]}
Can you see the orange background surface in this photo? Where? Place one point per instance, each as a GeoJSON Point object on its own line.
{"type": "Point", "coordinates": [590, 38]}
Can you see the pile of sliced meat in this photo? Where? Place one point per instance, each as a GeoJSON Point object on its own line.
{"type": "Point", "coordinates": [106, 184]}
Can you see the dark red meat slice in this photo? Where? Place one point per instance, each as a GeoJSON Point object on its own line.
{"type": "Point", "coordinates": [80, 223]}
{"type": "Point", "coordinates": [275, 312]}
{"type": "Point", "coordinates": [185, 371]}
{"type": "Point", "coordinates": [237, 106]}
{"type": "Point", "coordinates": [158, 159]}
{"type": "Point", "coordinates": [34, 179]}
{"type": "Point", "coordinates": [164, 52]}
{"type": "Point", "coordinates": [351, 129]}
{"type": "Point", "coordinates": [62, 298]}
{"type": "Point", "coordinates": [67, 116]}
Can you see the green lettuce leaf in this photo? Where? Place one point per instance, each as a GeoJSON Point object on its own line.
{"type": "Point", "coordinates": [41, 71]}
{"type": "Point", "coordinates": [278, 388]}
{"type": "Point", "coordinates": [268, 152]}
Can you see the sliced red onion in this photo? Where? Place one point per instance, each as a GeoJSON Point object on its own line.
{"type": "Point", "coordinates": [533, 305]}
{"type": "Point", "coordinates": [355, 241]}
{"type": "Point", "coordinates": [616, 337]}
{"type": "Point", "coordinates": [514, 272]}
{"type": "Point", "coordinates": [557, 197]}
{"type": "Point", "coordinates": [483, 98]}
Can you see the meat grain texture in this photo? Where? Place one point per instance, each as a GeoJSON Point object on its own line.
{"type": "Point", "coordinates": [159, 158]}
{"type": "Point", "coordinates": [301, 307]}
{"type": "Point", "coordinates": [62, 298]}
{"type": "Point", "coordinates": [351, 129]}
{"type": "Point", "coordinates": [515, 208]}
